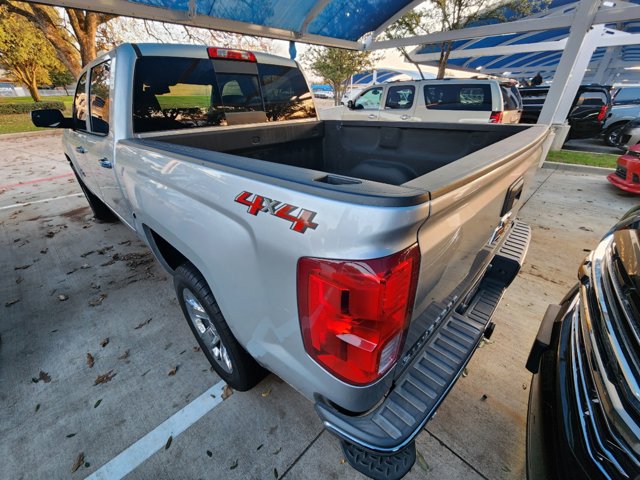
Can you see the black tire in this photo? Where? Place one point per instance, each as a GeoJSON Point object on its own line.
{"type": "Point", "coordinates": [611, 135]}
{"type": "Point", "coordinates": [245, 372]}
{"type": "Point", "coordinates": [100, 211]}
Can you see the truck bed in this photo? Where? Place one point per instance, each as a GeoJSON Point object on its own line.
{"type": "Point", "coordinates": [383, 152]}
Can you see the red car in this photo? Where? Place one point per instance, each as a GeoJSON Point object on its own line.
{"type": "Point", "coordinates": [627, 174]}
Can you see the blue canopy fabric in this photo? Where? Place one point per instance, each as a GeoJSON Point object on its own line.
{"type": "Point", "coordinates": [346, 20]}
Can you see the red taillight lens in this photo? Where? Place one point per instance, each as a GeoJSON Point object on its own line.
{"type": "Point", "coordinates": [495, 117]}
{"type": "Point", "coordinates": [354, 313]}
{"type": "Point", "coordinates": [231, 54]}
{"type": "Point", "coordinates": [602, 113]}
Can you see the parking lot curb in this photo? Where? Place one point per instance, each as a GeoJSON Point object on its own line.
{"type": "Point", "coordinates": [10, 136]}
{"type": "Point", "coordinates": [570, 167]}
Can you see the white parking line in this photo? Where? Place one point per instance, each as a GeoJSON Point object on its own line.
{"type": "Point", "coordinates": [156, 439]}
{"type": "Point", "coordinates": [17, 205]}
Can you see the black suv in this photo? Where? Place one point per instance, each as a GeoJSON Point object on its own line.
{"type": "Point", "coordinates": [588, 112]}
{"type": "Point", "coordinates": [584, 404]}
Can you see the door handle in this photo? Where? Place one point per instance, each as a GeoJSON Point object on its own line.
{"type": "Point", "coordinates": [373, 116]}
{"type": "Point", "coordinates": [404, 117]}
{"type": "Point", "coordinates": [80, 149]}
{"type": "Point", "coordinates": [104, 163]}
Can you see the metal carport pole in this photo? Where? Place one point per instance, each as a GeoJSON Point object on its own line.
{"type": "Point", "coordinates": [581, 43]}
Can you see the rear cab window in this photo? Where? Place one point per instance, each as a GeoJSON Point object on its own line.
{"type": "Point", "coordinates": [175, 93]}
{"type": "Point", "coordinates": [627, 95]}
{"type": "Point", "coordinates": [511, 98]}
{"type": "Point", "coordinates": [458, 97]}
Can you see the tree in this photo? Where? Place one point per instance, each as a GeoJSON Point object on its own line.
{"type": "Point", "coordinates": [25, 53]}
{"type": "Point", "coordinates": [72, 34]}
{"type": "Point", "coordinates": [61, 77]}
{"type": "Point", "coordinates": [336, 65]}
{"type": "Point", "coordinates": [444, 15]}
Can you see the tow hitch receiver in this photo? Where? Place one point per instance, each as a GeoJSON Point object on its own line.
{"type": "Point", "coordinates": [380, 466]}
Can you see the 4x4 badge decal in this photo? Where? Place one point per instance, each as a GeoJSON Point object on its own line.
{"type": "Point", "coordinates": [300, 221]}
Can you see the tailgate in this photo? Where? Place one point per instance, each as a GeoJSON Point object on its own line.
{"type": "Point", "coordinates": [469, 214]}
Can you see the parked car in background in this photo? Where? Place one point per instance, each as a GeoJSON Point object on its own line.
{"type": "Point", "coordinates": [627, 174]}
{"type": "Point", "coordinates": [586, 116]}
{"type": "Point", "coordinates": [626, 107]}
{"type": "Point", "coordinates": [322, 91]}
{"type": "Point", "coordinates": [584, 404]}
{"type": "Point", "coordinates": [630, 135]}
{"type": "Point", "coordinates": [448, 100]}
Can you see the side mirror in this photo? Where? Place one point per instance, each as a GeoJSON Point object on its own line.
{"type": "Point", "coordinates": [50, 118]}
{"type": "Point", "coordinates": [350, 105]}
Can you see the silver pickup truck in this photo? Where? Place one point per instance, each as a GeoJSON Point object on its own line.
{"type": "Point", "coordinates": [359, 261]}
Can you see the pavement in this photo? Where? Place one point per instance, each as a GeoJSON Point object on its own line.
{"type": "Point", "coordinates": [594, 145]}
{"type": "Point", "coordinates": [101, 377]}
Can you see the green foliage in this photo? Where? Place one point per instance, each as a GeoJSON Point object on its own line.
{"type": "Point", "coordinates": [336, 65]}
{"type": "Point", "coordinates": [12, 108]}
{"type": "Point", "coordinates": [25, 52]}
{"type": "Point", "coordinates": [61, 77]}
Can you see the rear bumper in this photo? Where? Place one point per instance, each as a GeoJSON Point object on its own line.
{"type": "Point", "coordinates": [417, 393]}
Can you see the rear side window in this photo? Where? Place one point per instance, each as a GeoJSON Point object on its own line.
{"type": "Point", "coordinates": [286, 93]}
{"type": "Point", "coordinates": [172, 93]}
{"type": "Point", "coordinates": [80, 104]}
{"type": "Point", "coordinates": [99, 94]}
{"type": "Point", "coordinates": [400, 97]}
{"type": "Point", "coordinates": [458, 97]}
{"type": "Point", "coordinates": [510, 98]}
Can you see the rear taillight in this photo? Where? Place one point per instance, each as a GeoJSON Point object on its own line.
{"type": "Point", "coordinates": [495, 117]}
{"type": "Point", "coordinates": [602, 113]}
{"type": "Point", "coordinates": [227, 54]}
{"type": "Point", "coordinates": [354, 313]}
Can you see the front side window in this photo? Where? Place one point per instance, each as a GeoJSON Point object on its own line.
{"type": "Point", "coordinates": [99, 95]}
{"type": "Point", "coordinates": [369, 100]}
{"type": "Point", "coordinates": [458, 97]}
{"type": "Point", "coordinates": [80, 104]}
{"type": "Point", "coordinates": [400, 97]}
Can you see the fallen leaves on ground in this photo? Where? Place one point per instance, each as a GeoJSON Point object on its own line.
{"type": "Point", "coordinates": [196, 349]}
{"type": "Point", "coordinates": [104, 342]}
{"type": "Point", "coordinates": [37, 407]}
{"type": "Point", "coordinates": [277, 451]}
{"type": "Point", "coordinates": [209, 453]}
{"type": "Point", "coordinates": [174, 370]}
{"type": "Point", "coordinates": [104, 378]}
{"type": "Point", "coordinates": [44, 376]}
{"type": "Point", "coordinates": [266, 393]}
{"type": "Point", "coordinates": [95, 405]}
{"type": "Point", "coordinates": [12, 302]}
{"type": "Point", "coordinates": [125, 355]}
{"type": "Point", "coordinates": [62, 297]}
{"type": "Point", "coordinates": [71, 435]}
{"type": "Point", "coordinates": [168, 444]}
{"type": "Point", "coordinates": [78, 463]}
{"type": "Point", "coordinates": [227, 391]}
{"type": "Point", "coordinates": [19, 280]}
{"type": "Point", "coordinates": [90, 360]}
{"type": "Point", "coordinates": [21, 267]}
{"type": "Point", "coordinates": [140, 325]}
{"type": "Point", "coordinates": [422, 462]}
{"type": "Point", "coordinates": [275, 473]}
{"type": "Point", "coordinates": [234, 465]}
{"type": "Point", "coordinates": [97, 301]}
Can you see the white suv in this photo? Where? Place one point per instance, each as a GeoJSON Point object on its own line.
{"type": "Point", "coordinates": [448, 100]}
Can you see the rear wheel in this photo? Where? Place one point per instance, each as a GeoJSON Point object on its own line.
{"type": "Point", "coordinates": [100, 210]}
{"type": "Point", "coordinates": [227, 357]}
{"type": "Point", "coordinates": [612, 134]}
